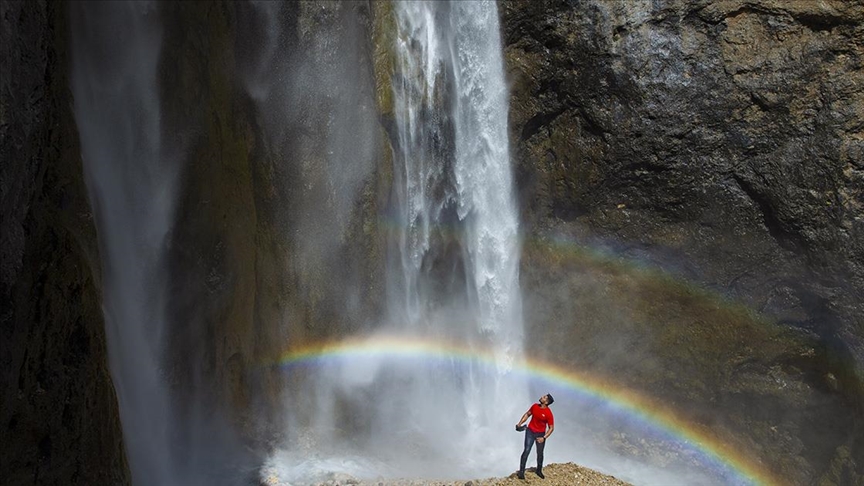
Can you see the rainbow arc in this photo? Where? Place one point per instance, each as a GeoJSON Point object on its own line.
{"type": "Point", "coordinates": [717, 454]}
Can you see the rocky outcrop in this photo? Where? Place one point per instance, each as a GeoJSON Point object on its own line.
{"type": "Point", "coordinates": [59, 416]}
{"type": "Point", "coordinates": [319, 138]}
{"type": "Point", "coordinates": [567, 474]}
{"type": "Point", "coordinates": [718, 144]}
{"type": "Point", "coordinates": [220, 252]}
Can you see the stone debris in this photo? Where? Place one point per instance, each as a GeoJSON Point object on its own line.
{"type": "Point", "coordinates": [567, 474]}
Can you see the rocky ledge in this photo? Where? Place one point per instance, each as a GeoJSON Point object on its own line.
{"type": "Point", "coordinates": [567, 474]}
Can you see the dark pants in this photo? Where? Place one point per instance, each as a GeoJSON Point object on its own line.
{"type": "Point", "coordinates": [530, 439]}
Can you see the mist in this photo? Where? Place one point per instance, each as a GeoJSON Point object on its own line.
{"type": "Point", "coordinates": [134, 163]}
{"type": "Point", "coordinates": [132, 190]}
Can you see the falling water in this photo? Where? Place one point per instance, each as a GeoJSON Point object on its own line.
{"type": "Point", "coordinates": [453, 273]}
{"type": "Point", "coordinates": [131, 185]}
{"type": "Point", "coordinates": [454, 188]}
{"type": "Point", "coordinates": [453, 161]}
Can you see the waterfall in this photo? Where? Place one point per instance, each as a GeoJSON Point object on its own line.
{"type": "Point", "coordinates": [454, 186]}
{"type": "Point", "coordinates": [453, 162]}
{"type": "Point", "coordinates": [131, 186]}
{"type": "Point", "coordinates": [452, 276]}
{"type": "Point", "coordinates": [454, 265]}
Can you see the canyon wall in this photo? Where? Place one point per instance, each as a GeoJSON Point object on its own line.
{"type": "Point", "coordinates": [697, 168]}
{"type": "Point", "coordinates": [59, 416]}
{"type": "Point", "coordinates": [689, 172]}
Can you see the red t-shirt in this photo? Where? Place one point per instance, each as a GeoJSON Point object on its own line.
{"type": "Point", "coordinates": [540, 417]}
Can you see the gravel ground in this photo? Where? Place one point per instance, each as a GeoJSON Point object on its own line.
{"type": "Point", "coordinates": [568, 474]}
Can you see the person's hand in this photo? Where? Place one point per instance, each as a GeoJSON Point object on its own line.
{"type": "Point", "coordinates": [540, 440]}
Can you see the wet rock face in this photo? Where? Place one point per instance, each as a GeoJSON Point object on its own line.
{"type": "Point", "coordinates": [59, 419]}
{"type": "Point", "coordinates": [251, 180]}
{"type": "Point", "coordinates": [701, 129]}
{"type": "Point", "coordinates": [718, 141]}
{"type": "Point", "coordinates": [276, 240]}
{"type": "Point", "coordinates": [737, 124]}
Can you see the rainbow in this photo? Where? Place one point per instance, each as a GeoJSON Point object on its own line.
{"type": "Point", "coordinates": [718, 455]}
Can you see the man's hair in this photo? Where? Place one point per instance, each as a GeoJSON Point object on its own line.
{"type": "Point", "coordinates": [551, 400]}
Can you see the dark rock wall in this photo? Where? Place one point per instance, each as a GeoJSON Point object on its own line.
{"type": "Point", "coordinates": [318, 148]}
{"type": "Point", "coordinates": [274, 245]}
{"type": "Point", "coordinates": [59, 418]}
{"type": "Point", "coordinates": [276, 241]}
{"type": "Point", "coordinates": [728, 133]}
{"type": "Point", "coordinates": [322, 136]}
{"type": "Point", "coordinates": [721, 143]}
{"type": "Point", "coordinates": [216, 340]}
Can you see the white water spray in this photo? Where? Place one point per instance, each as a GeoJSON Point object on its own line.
{"type": "Point", "coordinates": [131, 186]}
{"type": "Point", "coordinates": [455, 190]}
{"type": "Point", "coordinates": [453, 276]}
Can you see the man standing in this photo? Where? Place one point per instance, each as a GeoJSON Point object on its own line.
{"type": "Point", "coordinates": [539, 429]}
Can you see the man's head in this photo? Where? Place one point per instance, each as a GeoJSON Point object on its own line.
{"type": "Point", "coordinates": [547, 399]}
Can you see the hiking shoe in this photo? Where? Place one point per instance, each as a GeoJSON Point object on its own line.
{"type": "Point", "coordinates": [520, 475]}
{"type": "Point", "coordinates": [540, 473]}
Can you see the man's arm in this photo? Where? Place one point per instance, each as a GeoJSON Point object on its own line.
{"type": "Point", "coordinates": [541, 440]}
{"type": "Point", "coordinates": [524, 418]}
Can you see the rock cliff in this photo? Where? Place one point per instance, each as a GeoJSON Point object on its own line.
{"type": "Point", "coordinates": [279, 185]}
{"type": "Point", "coordinates": [666, 145]}
{"type": "Point", "coordinates": [58, 419]}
